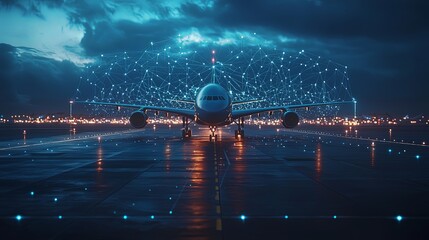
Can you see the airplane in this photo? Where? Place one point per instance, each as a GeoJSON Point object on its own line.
{"type": "Point", "coordinates": [213, 107]}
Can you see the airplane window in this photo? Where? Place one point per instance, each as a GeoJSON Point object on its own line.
{"type": "Point", "coordinates": [205, 98]}
{"type": "Point", "coordinates": [209, 98]}
{"type": "Point", "coordinates": [215, 98]}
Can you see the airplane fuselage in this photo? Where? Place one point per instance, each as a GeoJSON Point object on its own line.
{"type": "Point", "coordinates": [213, 106]}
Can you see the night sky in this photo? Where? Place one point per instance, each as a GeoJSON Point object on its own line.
{"type": "Point", "coordinates": [44, 45]}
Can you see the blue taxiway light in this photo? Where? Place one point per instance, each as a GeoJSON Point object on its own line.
{"type": "Point", "coordinates": [152, 217]}
{"type": "Point", "coordinates": [171, 212]}
{"type": "Point", "coordinates": [18, 217]}
{"type": "Point", "coordinates": [399, 218]}
{"type": "Point", "coordinates": [55, 199]}
{"type": "Point", "coordinates": [32, 193]}
{"type": "Point", "coordinates": [334, 217]}
{"type": "Point", "coordinates": [390, 150]}
{"type": "Point", "coordinates": [60, 217]}
{"type": "Point", "coordinates": [125, 217]}
{"type": "Point", "coordinates": [286, 217]}
{"type": "Point", "coordinates": [242, 217]}
{"type": "Point", "coordinates": [417, 156]}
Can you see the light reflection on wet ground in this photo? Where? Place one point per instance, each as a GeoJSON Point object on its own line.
{"type": "Point", "coordinates": [152, 184]}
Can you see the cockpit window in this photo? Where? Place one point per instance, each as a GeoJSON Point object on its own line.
{"type": "Point", "coordinates": [212, 98]}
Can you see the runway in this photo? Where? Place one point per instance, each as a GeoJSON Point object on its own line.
{"type": "Point", "coordinates": [151, 184]}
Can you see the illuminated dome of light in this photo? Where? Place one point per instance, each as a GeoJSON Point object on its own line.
{"type": "Point", "coordinates": [171, 70]}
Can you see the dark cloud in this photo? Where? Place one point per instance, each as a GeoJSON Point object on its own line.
{"type": "Point", "coordinates": [27, 8]}
{"type": "Point", "coordinates": [89, 12]}
{"type": "Point", "coordinates": [34, 84]}
{"type": "Point", "coordinates": [338, 19]}
{"type": "Point", "coordinates": [107, 37]}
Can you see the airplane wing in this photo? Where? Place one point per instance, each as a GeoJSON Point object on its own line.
{"type": "Point", "coordinates": [246, 102]}
{"type": "Point", "coordinates": [246, 112]}
{"type": "Point", "coordinates": [182, 112]}
{"type": "Point", "coordinates": [182, 101]}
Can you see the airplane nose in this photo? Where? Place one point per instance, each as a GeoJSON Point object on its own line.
{"type": "Point", "coordinates": [213, 117]}
{"type": "Point", "coordinates": [213, 106]}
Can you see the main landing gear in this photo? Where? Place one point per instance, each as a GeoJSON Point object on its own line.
{"type": "Point", "coordinates": [186, 131]}
{"type": "Point", "coordinates": [239, 134]}
{"type": "Point", "coordinates": [213, 135]}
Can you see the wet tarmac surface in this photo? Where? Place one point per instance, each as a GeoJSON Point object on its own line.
{"type": "Point", "coordinates": [152, 184]}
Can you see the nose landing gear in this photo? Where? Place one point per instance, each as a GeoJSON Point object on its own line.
{"type": "Point", "coordinates": [213, 135]}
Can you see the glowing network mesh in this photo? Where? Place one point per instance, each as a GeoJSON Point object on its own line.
{"type": "Point", "coordinates": [163, 72]}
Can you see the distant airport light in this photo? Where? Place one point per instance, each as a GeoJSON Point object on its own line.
{"type": "Point", "coordinates": [171, 212]}
{"type": "Point", "coordinates": [399, 218]}
{"type": "Point", "coordinates": [242, 217]}
{"type": "Point", "coordinates": [125, 217]}
{"type": "Point", "coordinates": [60, 217]}
{"type": "Point", "coordinates": [18, 217]}
{"type": "Point", "coordinates": [334, 217]}
{"type": "Point", "coordinates": [390, 150]}
{"type": "Point", "coordinates": [55, 199]}
{"type": "Point", "coordinates": [32, 193]}
{"type": "Point", "coordinates": [152, 217]}
{"type": "Point", "coordinates": [286, 216]}
{"type": "Point", "coordinates": [417, 156]}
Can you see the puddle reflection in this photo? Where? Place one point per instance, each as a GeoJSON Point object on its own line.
{"type": "Point", "coordinates": [372, 156]}
{"type": "Point", "coordinates": [318, 162]}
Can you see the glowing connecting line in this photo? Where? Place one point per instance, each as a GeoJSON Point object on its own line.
{"type": "Point", "coordinates": [213, 67]}
{"type": "Point", "coordinates": [213, 57]}
{"type": "Point", "coordinates": [354, 107]}
{"type": "Point", "coordinates": [71, 108]}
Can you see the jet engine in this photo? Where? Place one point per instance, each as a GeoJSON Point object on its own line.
{"type": "Point", "coordinates": [290, 119]}
{"type": "Point", "coordinates": [138, 119]}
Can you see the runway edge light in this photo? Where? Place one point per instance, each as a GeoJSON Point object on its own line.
{"type": "Point", "coordinates": [399, 218]}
